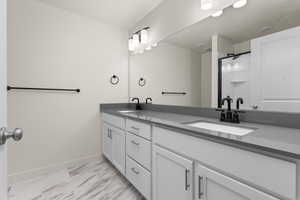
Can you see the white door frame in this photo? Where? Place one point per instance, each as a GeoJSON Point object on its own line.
{"type": "Point", "coordinates": [3, 103]}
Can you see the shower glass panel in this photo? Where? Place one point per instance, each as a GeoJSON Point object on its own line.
{"type": "Point", "coordinates": [236, 78]}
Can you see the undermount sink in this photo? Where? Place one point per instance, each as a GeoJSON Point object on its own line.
{"type": "Point", "coordinates": [239, 131]}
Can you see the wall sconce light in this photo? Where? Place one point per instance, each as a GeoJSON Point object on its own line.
{"type": "Point", "coordinates": [138, 42]}
{"type": "Point", "coordinates": [218, 13]}
{"type": "Point", "coordinates": [240, 4]}
{"type": "Point", "coordinates": [130, 44]}
{"type": "Point", "coordinates": [206, 4]}
{"type": "Point", "coordinates": [144, 36]}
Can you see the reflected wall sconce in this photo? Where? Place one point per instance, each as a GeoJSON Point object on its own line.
{"type": "Point", "coordinates": [217, 14]}
{"type": "Point", "coordinates": [240, 4]}
{"type": "Point", "coordinates": [206, 4]}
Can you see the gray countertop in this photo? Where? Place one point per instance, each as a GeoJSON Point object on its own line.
{"type": "Point", "coordinates": [274, 138]}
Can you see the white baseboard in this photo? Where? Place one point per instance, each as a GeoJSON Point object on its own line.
{"type": "Point", "coordinates": [35, 173]}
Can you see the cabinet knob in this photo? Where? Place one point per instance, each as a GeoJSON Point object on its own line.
{"type": "Point", "coordinates": [135, 143]}
{"type": "Point", "coordinates": [135, 171]}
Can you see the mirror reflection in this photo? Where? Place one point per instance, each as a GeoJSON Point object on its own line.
{"type": "Point", "coordinates": [239, 53]}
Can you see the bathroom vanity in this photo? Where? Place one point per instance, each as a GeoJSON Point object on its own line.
{"type": "Point", "coordinates": [180, 156]}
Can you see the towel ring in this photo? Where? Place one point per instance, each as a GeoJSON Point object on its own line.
{"type": "Point", "coordinates": [142, 82]}
{"type": "Point", "coordinates": [114, 80]}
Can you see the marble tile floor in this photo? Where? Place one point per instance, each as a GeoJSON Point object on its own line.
{"type": "Point", "coordinates": [95, 180]}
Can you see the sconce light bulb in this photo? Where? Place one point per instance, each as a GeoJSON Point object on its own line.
{"type": "Point", "coordinates": [240, 4]}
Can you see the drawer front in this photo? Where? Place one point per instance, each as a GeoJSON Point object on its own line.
{"type": "Point", "coordinates": [272, 174]}
{"type": "Point", "coordinates": [139, 149]}
{"type": "Point", "coordinates": [138, 128]}
{"type": "Point", "coordinates": [115, 121]}
{"type": "Point", "coordinates": [139, 177]}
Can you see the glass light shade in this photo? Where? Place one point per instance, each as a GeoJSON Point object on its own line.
{"type": "Point", "coordinates": [136, 41]}
{"type": "Point", "coordinates": [218, 13]}
{"type": "Point", "coordinates": [148, 48]}
{"type": "Point", "coordinates": [130, 44]}
{"type": "Point", "coordinates": [240, 3]}
{"type": "Point", "coordinates": [144, 36]}
{"type": "Point", "coordinates": [206, 4]}
{"type": "Point", "coordinates": [154, 45]}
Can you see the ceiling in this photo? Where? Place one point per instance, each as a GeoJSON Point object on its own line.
{"type": "Point", "coordinates": [124, 13]}
{"type": "Point", "coordinates": [258, 18]}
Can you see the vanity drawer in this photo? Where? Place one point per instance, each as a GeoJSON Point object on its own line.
{"type": "Point", "coordinates": [138, 128]}
{"type": "Point", "coordinates": [139, 149]}
{"type": "Point", "coordinates": [267, 173]}
{"type": "Point", "coordinates": [115, 121]}
{"type": "Point", "coordinates": [139, 177]}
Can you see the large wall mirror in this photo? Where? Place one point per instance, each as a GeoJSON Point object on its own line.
{"type": "Point", "coordinates": [251, 53]}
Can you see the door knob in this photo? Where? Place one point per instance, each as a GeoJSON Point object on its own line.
{"type": "Point", "coordinates": [16, 134]}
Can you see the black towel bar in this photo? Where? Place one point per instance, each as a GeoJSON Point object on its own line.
{"type": "Point", "coordinates": [180, 93]}
{"type": "Point", "coordinates": [45, 89]}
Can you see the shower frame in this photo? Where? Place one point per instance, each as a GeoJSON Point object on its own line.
{"type": "Point", "coordinates": [220, 62]}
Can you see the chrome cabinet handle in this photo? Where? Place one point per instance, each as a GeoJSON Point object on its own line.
{"type": "Point", "coordinates": [109, 134]}
{"type": "Point", "coordinates": [187, 186]}
{"type": "Point", "coordinates": [135, 143]}
{"type": "Point", "coordinates": [135, 171]}
{"type": "Point", "coordinates": [200, 193]}
{"type": "Point", "coordinates": [16, 134]}
{"type": "Point", "coordinates": [135, 128]}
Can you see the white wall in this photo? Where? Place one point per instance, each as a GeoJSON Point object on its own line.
{"type": "Point", "coordinates": [50, 47]}
{"type": "Point", "coordinates": [167, 68]}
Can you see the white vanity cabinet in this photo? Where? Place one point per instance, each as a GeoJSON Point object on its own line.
{"type": "Point", "coordinates": [172, 176]}
{"type": "Point", "coordinates": [107, 141]}
{"type": "Point", "coordinates": [139, 149]}
{"type": "Point", "coordinates": [211, 185]}
{"type": "Point", "coordinates": [127, 144]}
{"type": "Point", "coordinates": [114, 140]}
{"type": "Point", "coordinates": [256, 176]}
{"type": "Point", "coordinates": [118, 149]}
{"type": "Point", "coordinates": [164, 164]}
{"type": "Point", "coordinates": [138, 160]}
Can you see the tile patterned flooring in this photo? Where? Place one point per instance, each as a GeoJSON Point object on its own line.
{"type": "Point", "coordinates": [95, 180]}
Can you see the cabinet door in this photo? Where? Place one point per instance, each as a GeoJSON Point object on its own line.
{"type": "Point", "coordinates": [107, 142]}
{"type": "Point", "coordinates": [211, 185]}
{"type": "Point", "coordinates": [172, 176]}
{"type": "Point", "coordinates": [118, 149]}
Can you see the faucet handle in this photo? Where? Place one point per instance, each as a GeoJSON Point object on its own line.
{"type": "Point", "coordinates": [136, 98]}
{"type": "Point", "coordinates": [229, 99]}
{"type": "Point", "coordinates": [238, 102]}
{"type": "Point", "coordinates": [148, 99]}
